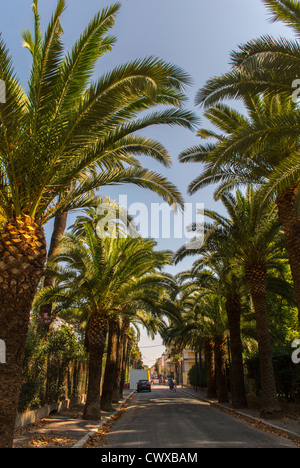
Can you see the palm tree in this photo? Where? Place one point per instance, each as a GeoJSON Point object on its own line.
{"type": "Point", "coordinates": [101, 277]}
{"type": "Point", "coordinates": [124, 333]}
{"type": "Point", "coordinates": [110, 365]}
{"type": "Point", "coordinates": [90, 215]}
{"type": "Point", "coordinates": [270, 66]}
{"type": "Point", "coordinates": [203, 322]}
{"type": "Point", "coordinates": [214, 274]}
{"type": "Point", "coordinates": [253, 150]}
{"type": "Point", "coordinates": [135, 314]}
{"type": "Point", "coordinates": [52, 140]}
{"type": "Point", "coordinates": [264, 64]}
{"type": "Point", "coordinates": [142, 304]}
{"type": "Point", "coordinates": [254, 232]}
{"type": "Point", "coordinates": [148, 301]}
{"type": "Point", "coordinates": [215, 326]}
{"type": "Point", "coordinates": [220, 270]}
{"type": "Point", "coordinates": [185, 330]}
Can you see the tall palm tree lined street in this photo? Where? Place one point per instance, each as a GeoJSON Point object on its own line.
{"type": "Point", "coordinates": [79, 137]}
{"type": "Point", "coordinates": [72, 133]}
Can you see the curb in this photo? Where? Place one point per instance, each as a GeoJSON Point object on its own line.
{"type": "Point", "coordinates": [84, 439]}
{"type": "Point", "coordinates": [30, 417]}
{"type": "Point", "coordinates": [244, 415]}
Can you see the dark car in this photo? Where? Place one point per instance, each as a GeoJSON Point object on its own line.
{"type": "Point", "coordinates": [143, 385]}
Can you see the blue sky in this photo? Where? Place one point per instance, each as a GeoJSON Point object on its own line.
{"type": "Point", "coordinates": [196, 35]}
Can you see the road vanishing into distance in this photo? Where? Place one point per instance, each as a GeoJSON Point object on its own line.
{"type": "Point", "coordinates": [167, 419]}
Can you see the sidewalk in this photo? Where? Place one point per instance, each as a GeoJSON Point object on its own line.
{"type": "Point", "coordinates": [288, 424]}
{"type": "Point", "coordinates": [64, 430]}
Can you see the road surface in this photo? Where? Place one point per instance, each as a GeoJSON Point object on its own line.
{"type": "Point", "coordinates": [168, 419]}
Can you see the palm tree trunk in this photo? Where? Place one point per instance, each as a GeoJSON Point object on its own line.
{"type": "Point", "coordinates": [23, 256]}
{"type": "Point", "coordinates": [291, 226]}
{"type": "Point", "coordinates": [117, 379]}
{"type": "Point", "coordinates": [196, 370]}
{"type": "Point", "coordinates": [126, 326]}
{"type": "Point", "coordinates": [97, 333]}
{"type": "Point", "coordinates": [110, 368]}
{"type": "Point", "coordinates": [238, 391]}
{"type": "Point", "coordinates": [123, 369]}
{"type": "Point", "coordinates": [257, 279]}
{"type": "Point", "coordinates": [210, 369]}
{"type": "Point", "coordinates": [220, 353]}
{"type": "Point", "coordinates": [200, 365]}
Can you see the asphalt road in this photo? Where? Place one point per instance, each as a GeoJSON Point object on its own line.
{"type": "Point", "coordinates": [165, 419]}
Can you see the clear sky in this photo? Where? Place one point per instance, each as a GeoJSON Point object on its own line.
{"type": "Point", "coordinates": [197, 35]}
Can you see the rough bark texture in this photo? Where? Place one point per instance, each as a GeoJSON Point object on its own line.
{"type": "Point", "coordinates": [196, 370]}
{"type": "Point", "coordinates": [291, 226]}
{"type": "Point", "coordinates": [110, 367]}
{"type": "Point", "coordinates": [210, 369]}
{"type": "Point", "coordinates": [257, 280]}
{"type": "Point", "coordinates": [117, 378]}
{"type": "Point", "coordinates": [22, 259]}
{"type": "Point", "coordinates": [126, 326]}
{"type": "Point", "coordinates": [220, 353]}
{"type": "Point", "coordinates": [96, 343]}
{"type": "Point", "coordinates": [238, 392]}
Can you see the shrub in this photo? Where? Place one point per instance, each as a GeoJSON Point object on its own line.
{"type": "Point", "coordinates": [287, 374]}
{"type": "Point", "coordinates": [201, 375]}
{"type": "Point", "coordinates": [46, 370]}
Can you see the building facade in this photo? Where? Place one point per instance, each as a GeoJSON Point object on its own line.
{"type": "Point", "coordinates": [176, 367]}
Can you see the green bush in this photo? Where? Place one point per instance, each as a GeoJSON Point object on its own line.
{"type": "Point", "coordinates": [287, 374]}
{"type": "Point", "coordinates": [201, 375]}
{"type": "Point", "coordinates": [46, 370]}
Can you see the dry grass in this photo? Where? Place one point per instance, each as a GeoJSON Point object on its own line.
{"type": "Point", "coordinates": [49, 440]}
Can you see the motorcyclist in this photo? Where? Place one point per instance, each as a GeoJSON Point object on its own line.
{"type": "Point", "coordinates": [171, 384]}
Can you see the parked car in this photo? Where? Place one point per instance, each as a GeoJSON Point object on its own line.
{"type": "Point", "coordinates": [143, 385]}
